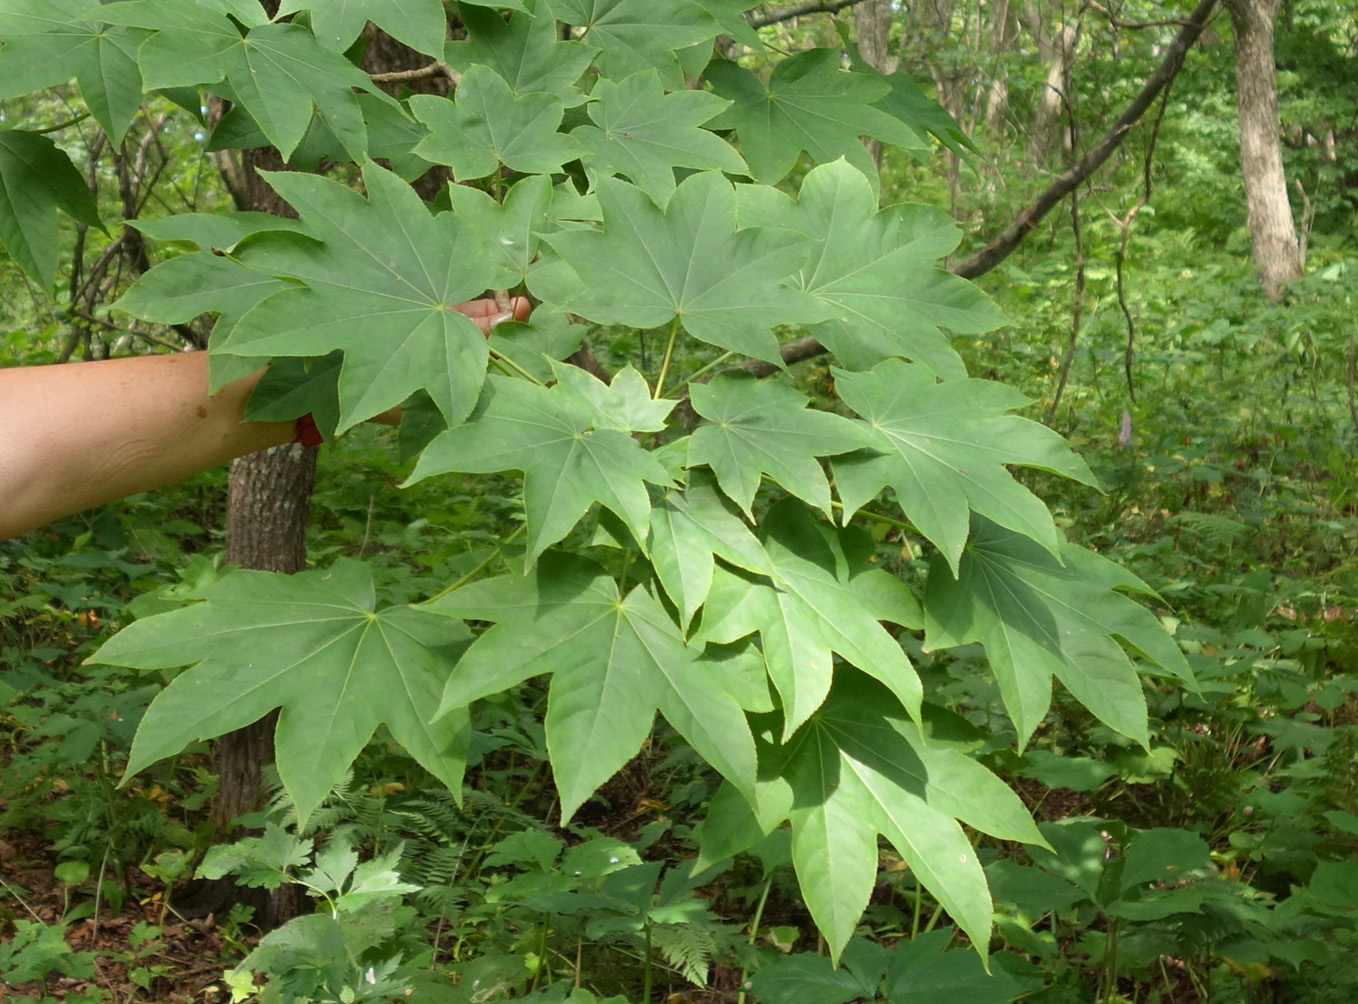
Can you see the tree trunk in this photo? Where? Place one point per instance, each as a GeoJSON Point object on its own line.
{"type": "Point", "coordinates": [1002, 30]}
{"type": "Point", "coordinates": [1056, 50]}
{"type": "Point", "coordinates": [872, 26]}
{"type": "Point", "coordinates": [269, 498]}
{"type": "Point", "coordinates": [1273, 235]}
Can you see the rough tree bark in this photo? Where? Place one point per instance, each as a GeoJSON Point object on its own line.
{"type": "Point", "coordinates": [269, 494]}
{"type": "Point", "coordinates": [1273, 235]}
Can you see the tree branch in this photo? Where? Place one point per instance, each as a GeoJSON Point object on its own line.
{"type": "Point", "coordinates": [810, 7]}
{"type": "Point", "coordinates": [419, 73]}
{"type": "Point", "coordinates": [1003, 245]}
{"type": "Point", "coordinates": [1027, 220]}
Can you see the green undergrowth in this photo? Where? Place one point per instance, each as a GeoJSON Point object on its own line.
{"type": "Point", "coordinates": [1218, 863]}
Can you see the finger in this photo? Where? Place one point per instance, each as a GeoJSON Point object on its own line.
{"type": "Point", "coordinates": [484, 307]}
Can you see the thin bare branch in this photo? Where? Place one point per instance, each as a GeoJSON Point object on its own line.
{"type": "Point", "coordinates": [1027, 220]}
{"type": "Point", "coordinates": [420, 73]}
{"type": "Point", "coordinates": [800, 10]}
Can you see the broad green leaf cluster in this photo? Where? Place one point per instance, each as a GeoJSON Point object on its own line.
{"type": "Point", "coordinates": [694, 533]}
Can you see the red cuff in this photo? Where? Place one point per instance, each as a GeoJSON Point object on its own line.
{"type": "Point", "coordinates": [307, 433]}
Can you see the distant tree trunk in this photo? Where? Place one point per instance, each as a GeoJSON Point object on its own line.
{"type": "Point", "coordinates": [1002, 29]}
{"type": "Point", "coordinates": [1273, 235]}
{"type": "Point", "coordinates": [1056, 50]}
{"type": "Point", "coordinates": [872, 25]}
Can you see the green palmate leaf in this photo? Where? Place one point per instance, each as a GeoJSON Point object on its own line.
{"type": "Point", "coordinates": [907, 102]}
{"type": "Point", "coordinates": [942, 447]}
{"type": "Point", "coordinates": [688, 529]}
{"type": "Point", "coordinates": [876, 270]}
{"type": "Point", "coordinates": [508, 231]}
{"type": "Point", "coordinates": [643, 133]}
{"type": "Point", "coordinates": [295, 387]}
{"type": "Point", "coordinates": [37, 179]}
{"type": "Point", "coordinates": [637, 35]}
{"type": "Point", "coordinates": [488, 126]}
{"type": "Point", "coordinates": [921, 971]}
{"type": "Point", "coordinates": [205, 282]}
{"type": "Point", "coordinates": [823, 598]}
{"type": "Point", "coordinates": [524, 51]}
{"type": "Point", "coordinates": [648, 266]}
{"type": "Point", "coordinates": [420, 24]}
{"type": "Point", "coordinates": [730, 14]}
{"type": "Point", "coordinates": [380, 284]}
{"type": "Point", "coordinates": [625, 404]}
{"type": "Point", "coordinates": [280, 73]}
{"type": "Point", "coordinates": [569, 457]}
{"type": "Point", "coordinates": [48, 42]}
{"type": "Point", "coordinates": [809, 104]}
{"type": "Point", "coordinates": [533, 345]}
{"type": "Point", "coordinates": [1040, 614]}
{"type": "Point", "coordinates": [393, 134]}
{"type": "Point", "coordinates": [614, 662]}
{"type": "Point", "coordinates": [764, 427]}
{"type": "Point", "coordinates": [312, 645]}
{"type": "Point", "coordinates": [849, 774]}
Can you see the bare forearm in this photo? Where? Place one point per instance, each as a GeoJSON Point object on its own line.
{"type": "Point", "coordinates": [76, 435]}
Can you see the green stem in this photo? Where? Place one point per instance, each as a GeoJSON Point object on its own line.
{"type": "Point", "coordinates": [703, 370]}
{"type": "Point", "coordinates": [481, 566]}
{"type": "Point", "coordinates": [506, 364]}
{"type": "Point", "coordinates": [919, 902]}
{"type": "Point", "coordinates": [754, 930]}
{"type": "Point", "coordinates": [64, 125]}
{"type": "Point", "coordinates": [669, 354]}
{"type": "Point", "coordinates": [877, 517]}
{"type": "Point", "coordinates": [646, 967]}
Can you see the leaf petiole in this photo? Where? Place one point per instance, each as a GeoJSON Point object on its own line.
{"type": "Point", "coordinates": [481, 566]}
{"type": "Point", "coordinates": [709, 367]}
{"type": "Point", "coordinates": [669, 354]}
{"type": "Point", "coordinates": [507, 365]}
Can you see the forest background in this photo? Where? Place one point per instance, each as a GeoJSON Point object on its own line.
{"type": "Point", "coordinates": [1158, 201]}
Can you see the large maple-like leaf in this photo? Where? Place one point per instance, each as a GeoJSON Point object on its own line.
{"type": "Point", "coordinates": [643, 133]}
{"type": "Point", "coordinates": [47, 42]}
{"type": "Point", "coordinates": [524, 50]}
{"type": "Point", "coordinates": [1040, 615]}
{"type": "Point", "coordinates": [638, 35]}
{"type": "Point", "coordinates": [380, 284]}
{"type": "Point", "coordinates": [279, 72]}
{"type": "Point", "coordinates": [420, 24]}
{"type": "Point", "coordinates": [614, 661]}
{"type": "Point", "coordinates": [877, 270]}
{"type": "Point", "coordinates": [312, 645]}
{"type": "Point", "coordinates": [205, 281]}
{"type": "Point", "coordinates": [570, 452]}
{"type": "Point", "coordinates": [756, 428]}
{"type": "Point", "coordinates": [820, 597]}
{"type": "Point", "coordinates": [809, 104]}
{"type": "Point", "coordinates": [487, 125]}
{"type": "Point", "coordinates": [942, 447]}
{"type": "Point", "coordinates": [509, 231]}
{"type": "Point", "coordinates": [646, 267]}
{"type": "Point", "coordinates": [857, 769]}
{"type": "Point", "coordinates": [689, 529]}
{"type": "Point", "coordinates": [37, 179]}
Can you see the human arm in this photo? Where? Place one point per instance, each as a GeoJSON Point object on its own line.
{"type": "Point", "coordinates": [75, 435]}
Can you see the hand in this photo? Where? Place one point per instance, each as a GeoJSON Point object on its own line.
{"type": "Point", "coordinates": [487, 312]}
